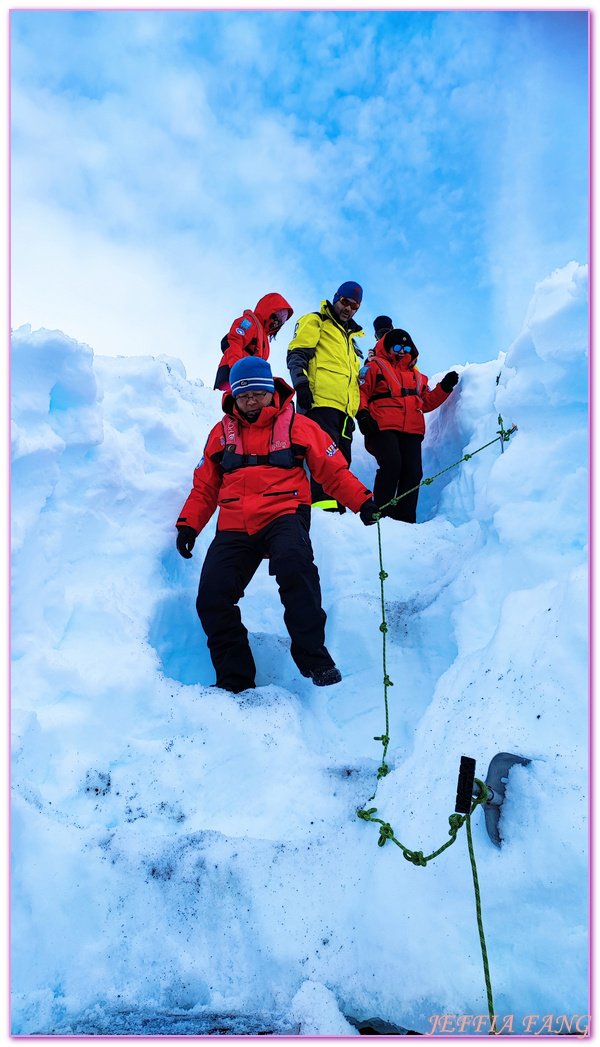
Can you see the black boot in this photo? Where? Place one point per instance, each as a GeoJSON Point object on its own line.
{"type": "Point", "coordinates": [324, 677]}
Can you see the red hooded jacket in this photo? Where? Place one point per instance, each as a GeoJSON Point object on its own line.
{"type": "Point", "coordinates": [395, 393]}
{"type": "Point", "coordinates": [253, 496]}
{"type": "Point", "coordinates": [248, 336]}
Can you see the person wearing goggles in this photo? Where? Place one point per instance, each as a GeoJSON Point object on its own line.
{"type": "Point", "coordinates": [394, 398]}
{"type": "Point", "coordinates": [251, 335]}
{"type": "Point", "coordinates": [324, 363]}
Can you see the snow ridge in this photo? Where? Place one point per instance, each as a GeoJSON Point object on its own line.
{"type": "Point", "coordinates": [184, 857]}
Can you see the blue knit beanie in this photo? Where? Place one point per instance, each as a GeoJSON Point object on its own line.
{"type": "Point", "coordinates": [251, 374]}
{"type": "Point", "coordinates": [350, 289]}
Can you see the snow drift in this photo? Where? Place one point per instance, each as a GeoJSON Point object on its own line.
{"type": "Point", "coordinates": [190, 861]}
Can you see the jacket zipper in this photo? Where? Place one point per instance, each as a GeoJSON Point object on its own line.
{"type": "Point", "coordinates": [275, 494]}
{"type": "Point", "coordinates": [348, 335]}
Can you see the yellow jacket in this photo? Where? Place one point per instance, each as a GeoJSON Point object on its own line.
{"type": "Point", "coordinates": [323, 351]}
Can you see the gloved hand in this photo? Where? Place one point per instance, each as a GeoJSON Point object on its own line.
{"type": "Point", "coordinates": [304, 396]}
{"type": "Point", "coordinates": [366, 511]}
{"type": "Point", "coordinates": [366, 423]}
{"type": "Point", "coordinates": [449, 381]}
{"type": "Point", "coordinates": [186, 536]}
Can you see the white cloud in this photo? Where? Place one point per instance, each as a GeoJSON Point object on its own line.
{"type": "Point", "coordinates": [223, 154]}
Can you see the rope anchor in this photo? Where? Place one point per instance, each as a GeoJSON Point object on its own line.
{"type": "Point", "coordinates": [471, 792]}
{"type": "Point", "coordinates": [504, 434]}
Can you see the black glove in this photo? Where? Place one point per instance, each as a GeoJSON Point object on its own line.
{"type": "Point", "coordinates": [366, 511]}
{"type": "Point", "coordinates": [366, 423]}
{"type": "Point", "coordinates": [186, 536]}
{"type": "Point", "coordinates": [304, 396]}
{"type": "Point", "coordinates": [449, 381]}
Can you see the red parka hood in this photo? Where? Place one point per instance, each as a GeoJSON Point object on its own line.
{"type": "Point", "coordinates": [397, 336]}
{"type": "Point", "coordinates": [283, 394]}
{"type": "Point", "coordinates": [270, 303]}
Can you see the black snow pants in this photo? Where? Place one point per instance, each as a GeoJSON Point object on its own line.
{"type": "Point", "coordinates": [340, 427]}
{"type": "Point", "coordinates": [231, 562]}
{"type": "Point", "coordinates": [400, 468]}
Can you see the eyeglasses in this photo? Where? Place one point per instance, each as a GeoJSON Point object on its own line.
{"type": "Point", "coordinates": [261, 397]}
{"type": "Point", "coordinates": [349, 302]}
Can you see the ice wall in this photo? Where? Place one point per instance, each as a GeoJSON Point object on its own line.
{"type": "Point", "coordinates": [184, 857]}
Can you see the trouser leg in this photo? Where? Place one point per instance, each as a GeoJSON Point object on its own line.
{"type": "Point", "coordinates": [291, 562]}
{"type": "Point", "coordinates": [340, 427]}
{"type": "Point", "coordinates": [230, 563]}
{"type": "Point", "coordinates": [410, 476]}
{"type": "Point", "coordinates": [385, 446]}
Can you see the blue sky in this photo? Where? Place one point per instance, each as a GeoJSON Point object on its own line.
{"type": "Point", "coordinates": [171, 167]}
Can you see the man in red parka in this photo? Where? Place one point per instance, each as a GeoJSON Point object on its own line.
{"type": "Point", "coordinates": [251, 334]}
{"type": "Point", "coordinates": [253, 470]}
{"type": "Point", "coordinates": [394, 396]}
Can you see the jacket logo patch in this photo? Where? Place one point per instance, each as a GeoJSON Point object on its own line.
{"type": "Point", "coordinates": [331, 450]}
{"type": "Point", "coordinates": [238, 330]}
{"type": "Point", "coordinates": [245, 323]}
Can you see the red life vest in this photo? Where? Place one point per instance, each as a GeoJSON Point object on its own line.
{"type": "Point", "coordinates": [395, 385]}
{"type": "Point", "coordinates": [281, 451]}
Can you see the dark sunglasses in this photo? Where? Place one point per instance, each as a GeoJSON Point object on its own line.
{"type": "Point", "coordinates": [349, 302]}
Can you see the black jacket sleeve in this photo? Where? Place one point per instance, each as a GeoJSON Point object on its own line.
{"type": "Point", "coordinates": [297, 361]}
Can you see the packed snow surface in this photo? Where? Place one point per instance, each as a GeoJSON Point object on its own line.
{"type": "Point", "coordinates": [187, 860]}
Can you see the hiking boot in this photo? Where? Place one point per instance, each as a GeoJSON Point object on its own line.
{"type": "Point", "coordinates": [324, 677]}
{"type": "Point", "coordinates": [234, 688]}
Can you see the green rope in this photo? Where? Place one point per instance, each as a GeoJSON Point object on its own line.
{"type": "Point", "coordinates": [383, 769]}
{"type": "Point", "coordinates": [504, 436]}
{"type": "Point", "coordinates": [418, 858]}
{"type": "Point", "coordinates": [484, 956]}
{"type": "Point", "coordinates": [385, 737]}
{"type": "Point", "coordinates": [456, 821]}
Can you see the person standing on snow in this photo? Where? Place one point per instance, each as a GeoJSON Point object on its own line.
{"type": "Point", "coordinates": [393, 398]}
{"type": "Point", "coordinates": [253, 469]}
{"type": "Point", "coordinates": [324, 362]}
{"type": "Point", "coordinates": [251, 334]}
{"type": "Point", "coordinates": [381, 326]}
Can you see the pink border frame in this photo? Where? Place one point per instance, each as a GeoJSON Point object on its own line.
{"type": "Point", "coordinates": [591, 430]}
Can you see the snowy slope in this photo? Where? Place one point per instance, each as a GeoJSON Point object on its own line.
{"type": "Point", "coordinates": [181, 853]}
